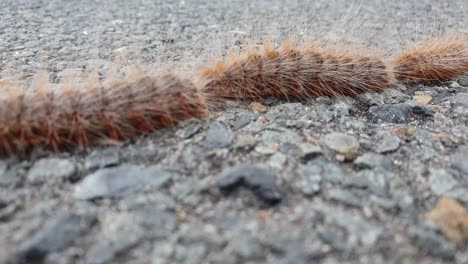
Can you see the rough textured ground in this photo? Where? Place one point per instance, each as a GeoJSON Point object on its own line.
{"type": "Point", "coordinates": [331, 180]}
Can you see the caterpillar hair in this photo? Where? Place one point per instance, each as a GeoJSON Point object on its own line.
{"type": "Point", "coordinates": [294, 71]}
{"type": "Point", "coordinates": [441, 58]}
{"type": "Point", "coordinates": [42, 116]}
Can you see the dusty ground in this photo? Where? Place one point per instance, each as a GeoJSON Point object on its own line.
{"type": "Point", "coordinates": [161, 198]}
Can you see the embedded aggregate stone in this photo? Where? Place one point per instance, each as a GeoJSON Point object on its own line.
{"type": "Point", "coordinates": [388, 144]}
{"type": "Point", "coordinates": [217, 136]}
{"type": "Point", "coordinates": [55, 235]}
{"type": "Point", "coordinates": [432, 243]}
{"type": "Point", "coordinates": [117, 181]}
{"type": "Point", "coordinates": [260, 180]}
{"type": "Point", "coordinates": [399, 113]}
{"type": "Point", "coordinates": [460, 161]}
{"type": "Point", "coordinates": [343, 144]}
{"type": "Point", "coordinates": [50, 169]}
{"type": "Point", "coordinates": [103, 158]}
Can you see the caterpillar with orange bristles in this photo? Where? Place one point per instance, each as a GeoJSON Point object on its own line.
{"type": "Point", "coordinates": [41, 116]}
{"type": "Point", "coordinates": [293, 71]}
{"type": "Point", "coordinates": [436, 59]}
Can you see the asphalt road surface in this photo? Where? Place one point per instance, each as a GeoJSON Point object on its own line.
{"type": "Point", "coordinates": [161, 198]}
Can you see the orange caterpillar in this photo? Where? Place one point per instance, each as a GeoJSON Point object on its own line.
{"type": "Point", "coordinates": [41, 116]}
{"type": "Point", "coordinates": [291, 71]}
{"type": "Point", "coordinates": [441, 58]}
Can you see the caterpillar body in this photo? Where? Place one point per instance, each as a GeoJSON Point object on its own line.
{"type": "Point", "coordinates": [41, 116]}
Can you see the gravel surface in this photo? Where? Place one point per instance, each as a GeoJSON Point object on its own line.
{"type": "Point", "coordinates": [380, 178]}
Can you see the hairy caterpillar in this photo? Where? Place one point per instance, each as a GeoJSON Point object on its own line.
{"type": "Point", "coordinates": [440, 58]}
{"type": "Point", "coordinates": [84, 117]}
{"type": "Point", "coordinates": [41, 116]}
{"type": "Point", "coordinates": [292, 71]}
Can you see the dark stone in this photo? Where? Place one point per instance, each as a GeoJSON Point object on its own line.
{"type": "Point", "coordinates": [398, 113]}
{"type": "Point", "coordinates": [54, 236]}
{"type": "Point", "coordinates": [258, 179]}
{"type": "Point", "coordinates": [463, 81]}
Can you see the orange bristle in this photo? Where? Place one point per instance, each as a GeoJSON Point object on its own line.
{"type": "Point", "coordinates": [84, 117]}
{"type": "Point", "coordinates": [292, 71]}
{"type": "Point", "coordinates": [441, 58]}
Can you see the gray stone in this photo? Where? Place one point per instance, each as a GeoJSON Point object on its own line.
{"type": "Point", "coordinates": [205, 235]}
{"type": "Point", "coordinates": [102, 158]}
{"type": "Point", "coordinates": [188, 131]}
{"type": "Point", "coordinates": [162, 252]}
{"type": "Point", "coordinates": [8, 176]}
{"type": "Point", "coordinates": [277, 160]}
{"type": "Point", "coordinates": [395, 95]}
{"type": "Point", "coordinates": [259, 179]}
{"type": "Point", "coordinates": [243, 119]}
{"type": "Point", "coordinates": [374, 180]}
{"type": "Point", "coordinates": [461, 99]}
{"type": "Point", "coordinates": [463, 81]}
{"type": "Point", "coordinates": [157, 224]}
{"type": "Point", "coordinates": [459, 193]}
{"type": "Point", "coordinates": [370, 99]}
{"type": "Point", "coordinates": [373, 160]}
{"type": "Point", "coordinates": [335, 237]}
{"type": "Point", "coordinates": [7, 210]}
{"type": "Point", "coordinates": [344, 197]}
{"type": "Point", "coordinates": [245, 141]}
{"type": "Point", "coordinates": [144, 153]}
{"type": "Point", "coordinates": [460, 161]}
{"type": "Point", "coordinates": [343, 144]}
{"type": "Point", "coordinates": [287, 111]}
{"type": "Point", "coordinates": [432, 243]}
{"type": "Point", "coordinates": [217, 136]}
{"type": "Point", "coordinates": [328, 170]}
{"type": "Point", "coordinates": [102, 251]}
{"type": "Point", "coordinates": [51, 168]}
{"type": "Point", "coordinates": [6, 253]}
{"type": "Point", "coordinates": [325, 115]}
{"type": "Point", "coordinates": [357, 227]}
{"type": "Point", "coordinates": [441, 181]}
{"type": "Point", "coordinates": [309, 151]}
{"type": "Point", "coordinates": [56, 235]}
{"type": "Point", "coordinates": [190, 254]}
{"type": "Point", "coordinates": [278, 135]}
{"type": "Point", "coordinates": [117, 181]}
{"type": "Point", "coordinates": [267, 149]}
{"type": "Point", "coordinates": [189, 191]}
{"type": "Point", "coordinates": [388, 144]}
{"type": "Point", "coordinates": [309, 179]}
{"type": "Point", "coordinates": [122, 231]}
{"type": "Point", "coordinates": [342, 108]}
{"type": "Point", "coordinates": [246, 247]}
